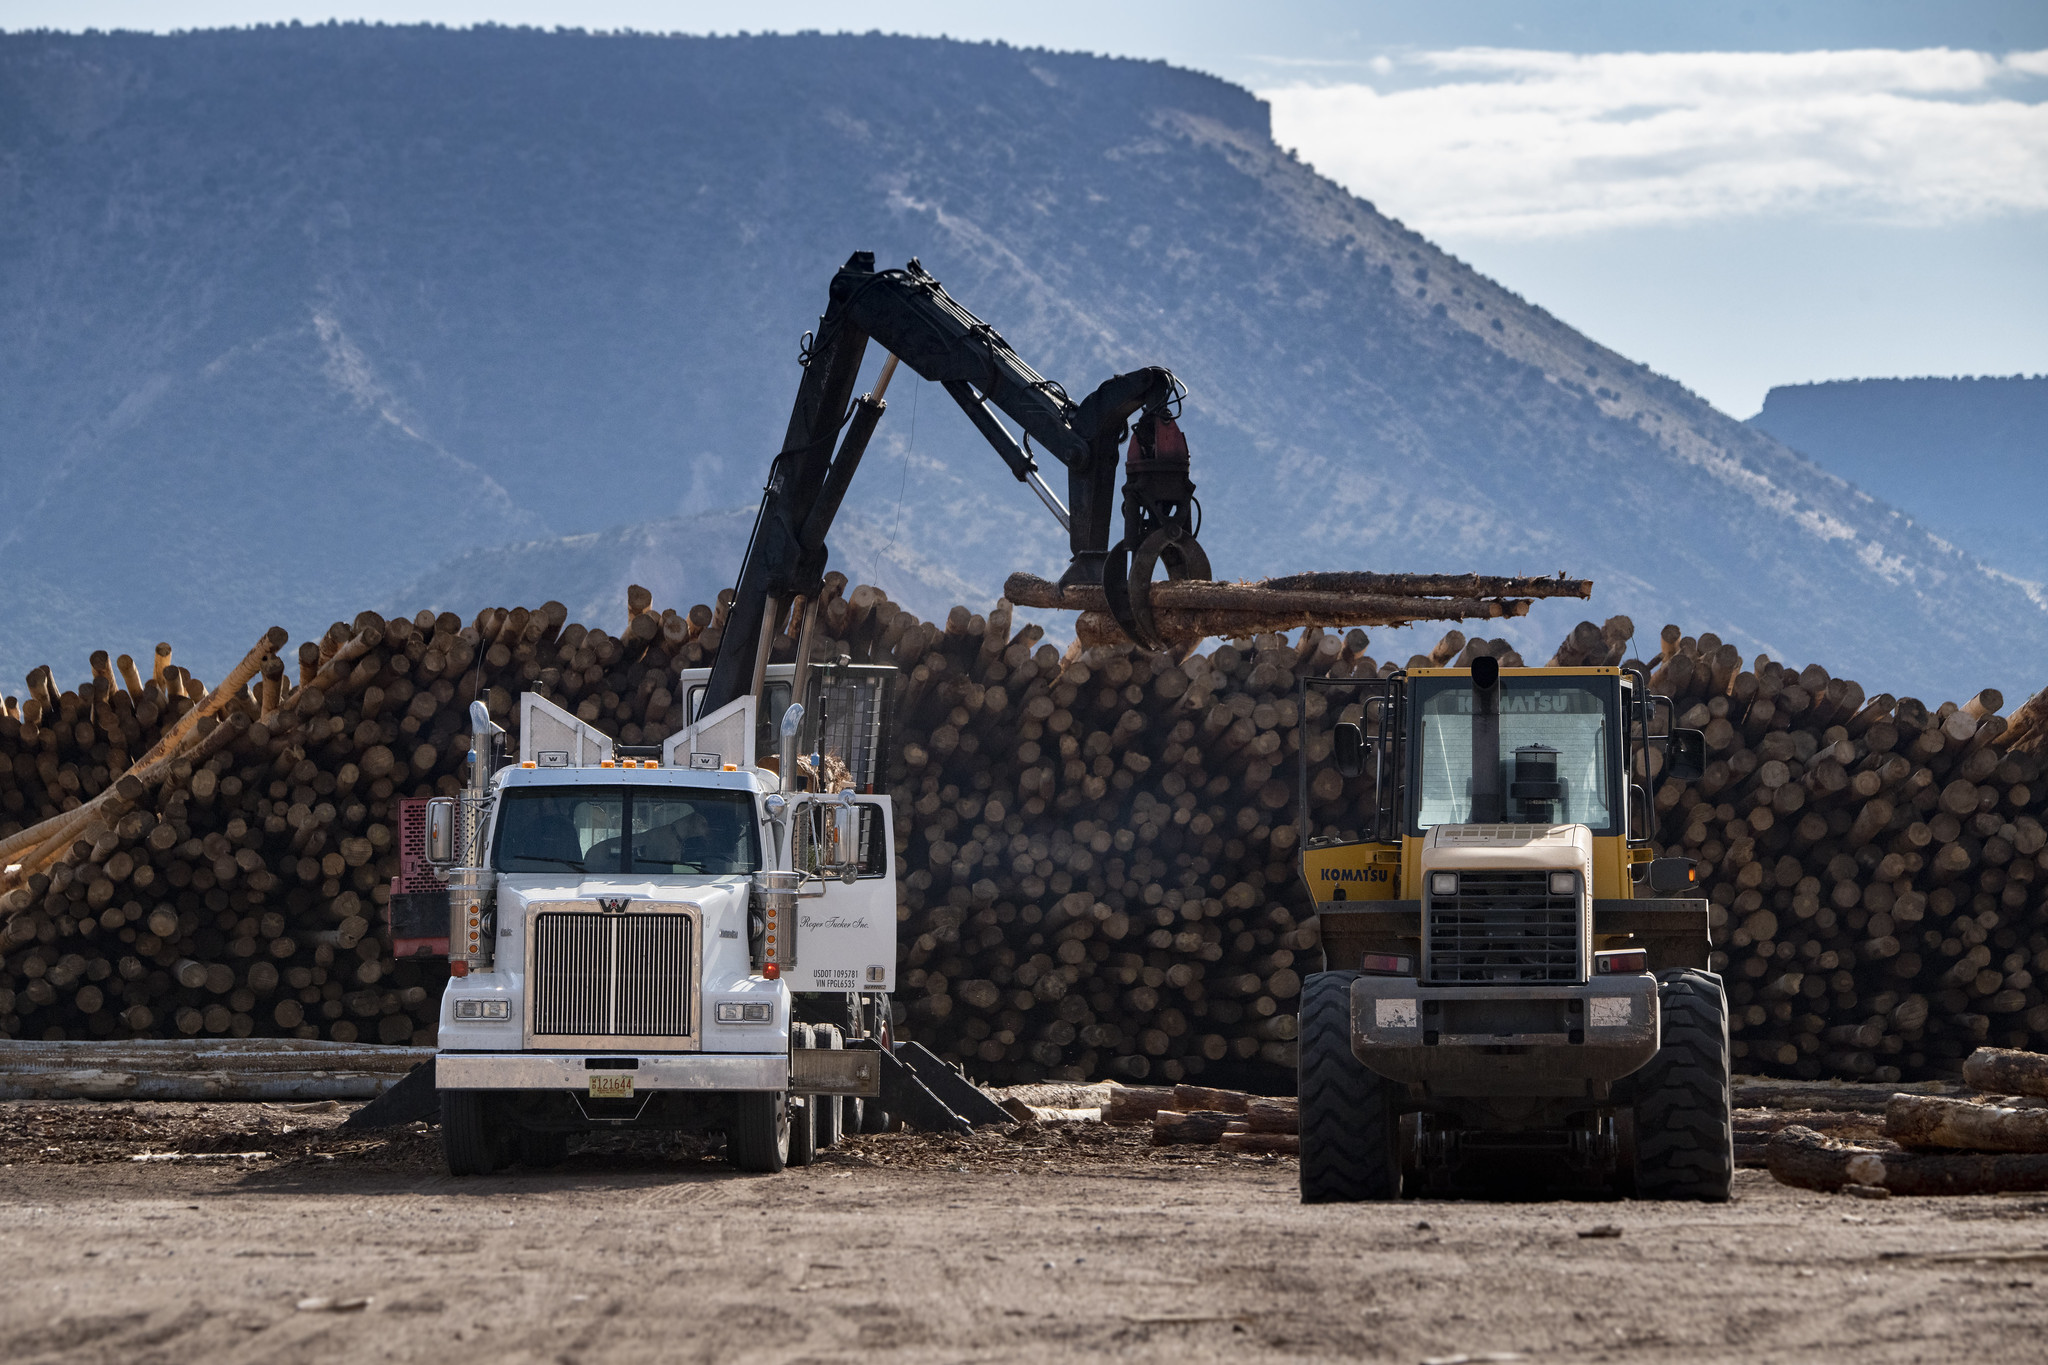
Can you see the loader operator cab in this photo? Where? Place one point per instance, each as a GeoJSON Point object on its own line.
{"type": "Point", "coordinates": [1515, 985]}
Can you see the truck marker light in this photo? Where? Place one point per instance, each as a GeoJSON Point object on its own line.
{"type": "Point", "coordinates": [1564, 883]}
{"type": "Point", "coordinates": [731, 768]}
{"type": "Point", "coordinates": [607, 763]}
{"type": "Point", "coordinates": [1621, 960]}
{"type": "Point", "coordinates": [527, 764]}
{"type": "Point", "coordinates": [1443, 883]}
{"type": "Point", "coordinates": [1387, 964]}
{"type": "Point", "coordinates": [771, 971]}
{"type": "Point", "coordinates": [458, 968]}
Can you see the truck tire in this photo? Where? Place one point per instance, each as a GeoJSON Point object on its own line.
{"type": "Point", "coordinates": [1350, 1126]}
{"type": "Point", "coordinates": [539, 1151]}
{"type": "Point", "coordinates": [1684, 1129]}
{"type": "Point", "coordinates": [467, 1143]}
{"type": "Point", "coordinates": [829, 1107]}
{"type": "Point", "coordinates": [758, 1140]}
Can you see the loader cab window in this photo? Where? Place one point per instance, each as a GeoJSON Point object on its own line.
{"type": "Point", "coordinates": [1557, 752]}
{"type": "Point", "coordinates": [583, 830]}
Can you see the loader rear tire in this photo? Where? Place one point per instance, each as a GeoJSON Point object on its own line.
{"type": "Point", "coordinates": [1684, 1128]}
{"type": "Point", "coordinates": [1350, 1124]}
{"type": "Point", "coordinates": [468, 1144]}
{"type": "Point", "coordinates": [758, 1139]}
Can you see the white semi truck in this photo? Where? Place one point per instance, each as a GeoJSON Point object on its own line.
{"type": "Point", "coordinates": [627, 935]}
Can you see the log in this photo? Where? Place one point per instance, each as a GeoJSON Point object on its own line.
{"type": "Point", "coordinates": [2006, 1071]}
{"type": "Point", "coordinates": [1173, 1128]}
{"type": "Point", "coordinates": [1132, 1105]}
{"type": "Point", "coordinates": [1192, 1099]}
{"type": "Point", "coordinates": [1271, 1144]}
{"type": "Point", "coordinates": [1799, 1156]}
{"type": "Point", "coordinates": [1922, 1121]}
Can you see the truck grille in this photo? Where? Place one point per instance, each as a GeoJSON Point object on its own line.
{"type": "Point", "coordinates": [1502, 927]}
{"type": "Point", "coordinates": [599, 975]}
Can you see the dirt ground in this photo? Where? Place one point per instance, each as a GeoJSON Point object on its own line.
{"type": "Point", "coordinates": [271, 1237]}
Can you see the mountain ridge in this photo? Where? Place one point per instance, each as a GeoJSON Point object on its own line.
{"type": "Point", "coordinates": [318, 318]}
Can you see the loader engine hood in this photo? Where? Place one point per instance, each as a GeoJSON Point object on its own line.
{"type": "Point", "coordinates": [1496, 910]}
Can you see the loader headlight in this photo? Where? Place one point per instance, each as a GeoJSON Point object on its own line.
{"type": "Point", "coordinates": [1443, 883]}
{"type": "Point", "coordinates": [1564, 883]}
{"type": "Point", "coordinates": [483, 1009]}
{"type": "Point", "coordinates": [744, 1012]}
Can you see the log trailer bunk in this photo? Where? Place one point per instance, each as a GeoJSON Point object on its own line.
{"type": "Point", "coordinates": [1512, 992]}
{"type": "Point", "coordinates": [641, 938]}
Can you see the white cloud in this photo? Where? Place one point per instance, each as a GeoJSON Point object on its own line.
{"type": "Point", "coordinates": [1506, 144]}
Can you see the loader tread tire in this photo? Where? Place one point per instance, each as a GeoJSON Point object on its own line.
{"type": "Point", "coordinates": [1350, 1133]}
{"type": "Point", "coordinates": [758, 1140]}
{"type": "Point", "coordinates": [467, 1142]}
{"type": "Point", "coordinates": [1684, 1128]}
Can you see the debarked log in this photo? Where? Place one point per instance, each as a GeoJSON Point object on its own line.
{"type": "Point", "coordinates": [2007, 1071]}
{"type": "Point", "coordinates": [1799, 1156]}
{"type": "Point", "coordinates": [1925, 1121]}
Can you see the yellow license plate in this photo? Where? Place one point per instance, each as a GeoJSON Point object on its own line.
{"type": "Point", "coordinates": [611, 1085]}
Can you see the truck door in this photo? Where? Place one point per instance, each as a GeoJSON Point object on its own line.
{"type": "Point", "coordinates": [846, 933]}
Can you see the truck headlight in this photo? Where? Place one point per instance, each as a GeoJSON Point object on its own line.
{"type": "Point", "coordinates": [744, 1012]}
{"type": "Point", "coordinates": [1564, 883]}
{"type": "Point", "coordinates": [1443, 883]}
{"type": "Point", "coordinates": [483, 1009]}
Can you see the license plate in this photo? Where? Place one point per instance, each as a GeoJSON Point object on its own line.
{"type": "Point", "coordinates": [611, 1085]}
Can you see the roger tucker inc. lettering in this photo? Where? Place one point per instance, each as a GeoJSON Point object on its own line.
{"type": "Point", "coordinates": [833, 922]}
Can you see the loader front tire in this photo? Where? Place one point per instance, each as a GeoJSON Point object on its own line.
{"type": "Point", "coordinates": [758, 1139]}
{"type": "Point", "coordinates": [1684, 1128]}
{"type": "Point", "coordinates": [1350, 1129]}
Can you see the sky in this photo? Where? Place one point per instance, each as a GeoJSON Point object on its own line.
{"type": "Point", "coordinates": [1737, 194]}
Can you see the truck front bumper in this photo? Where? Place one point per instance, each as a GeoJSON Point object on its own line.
{"type": "Point", "coordinates": [556, 1071]}
{"type": "Point", "coordinates": [1508, 1040]}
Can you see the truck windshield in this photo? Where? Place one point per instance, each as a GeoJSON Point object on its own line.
{"type": "Point", "coordinates": [1556, 744]}
{"type": "Point", "coordinates": [582, 829]}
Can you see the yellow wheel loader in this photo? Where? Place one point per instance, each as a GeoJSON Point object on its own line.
{"type": "Point", "coordinates": [1516, 994]}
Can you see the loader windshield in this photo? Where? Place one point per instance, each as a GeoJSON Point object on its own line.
{"type": "Point", "coordinates": [1556, 751]}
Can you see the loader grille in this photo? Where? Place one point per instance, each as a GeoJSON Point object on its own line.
{"type": "Point", "coordinates": [611, 975]}
{"type": "Point", "coordinates": [1502, 927]}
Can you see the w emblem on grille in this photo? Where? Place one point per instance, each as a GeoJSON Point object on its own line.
{"type": "Point", "coordinates": [614, 905]}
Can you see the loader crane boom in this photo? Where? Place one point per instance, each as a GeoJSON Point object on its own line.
{"type": "Point", "coordinates": [910, 315]}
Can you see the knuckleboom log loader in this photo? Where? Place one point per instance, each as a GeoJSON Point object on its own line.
{"type": "Point", "coordinates": [1516, 988]}
{"type": "Point", "coordinates": [642, 937]}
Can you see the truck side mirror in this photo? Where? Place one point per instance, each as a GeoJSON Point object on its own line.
{"type": "Point", "coordinates": [1349, 741]}
{"type": "Point", "coordinates": [1671, 875]}
{"type": "Point", "coordinates": [1686, 759]}
{"type": "Point", "coordinates": [846, 833]}
{"type": "Point", "coordinates": [441, 815]}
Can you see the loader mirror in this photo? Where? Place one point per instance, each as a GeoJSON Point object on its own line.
{"type": "Point", "coordinates": [1687, 759]}
{"type": "Point", "coordinates": [1670, 876]}
{"type": "Point", "coordinates": [1349, 741]}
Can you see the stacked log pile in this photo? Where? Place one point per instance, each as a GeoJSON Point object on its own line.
{"type": "Point", "coordinates": [1097, 845]}
{"type": "Point", "coordinates": [1878, 868]}
{"type": "Point", "coordinates": [1935, 1144]}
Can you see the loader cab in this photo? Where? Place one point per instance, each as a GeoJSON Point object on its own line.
{"type": "Point", "coordinates": [1388, 770]}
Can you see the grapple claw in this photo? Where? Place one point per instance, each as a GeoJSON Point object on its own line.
{"type": "Point", "coordinates": [1159, 512]}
